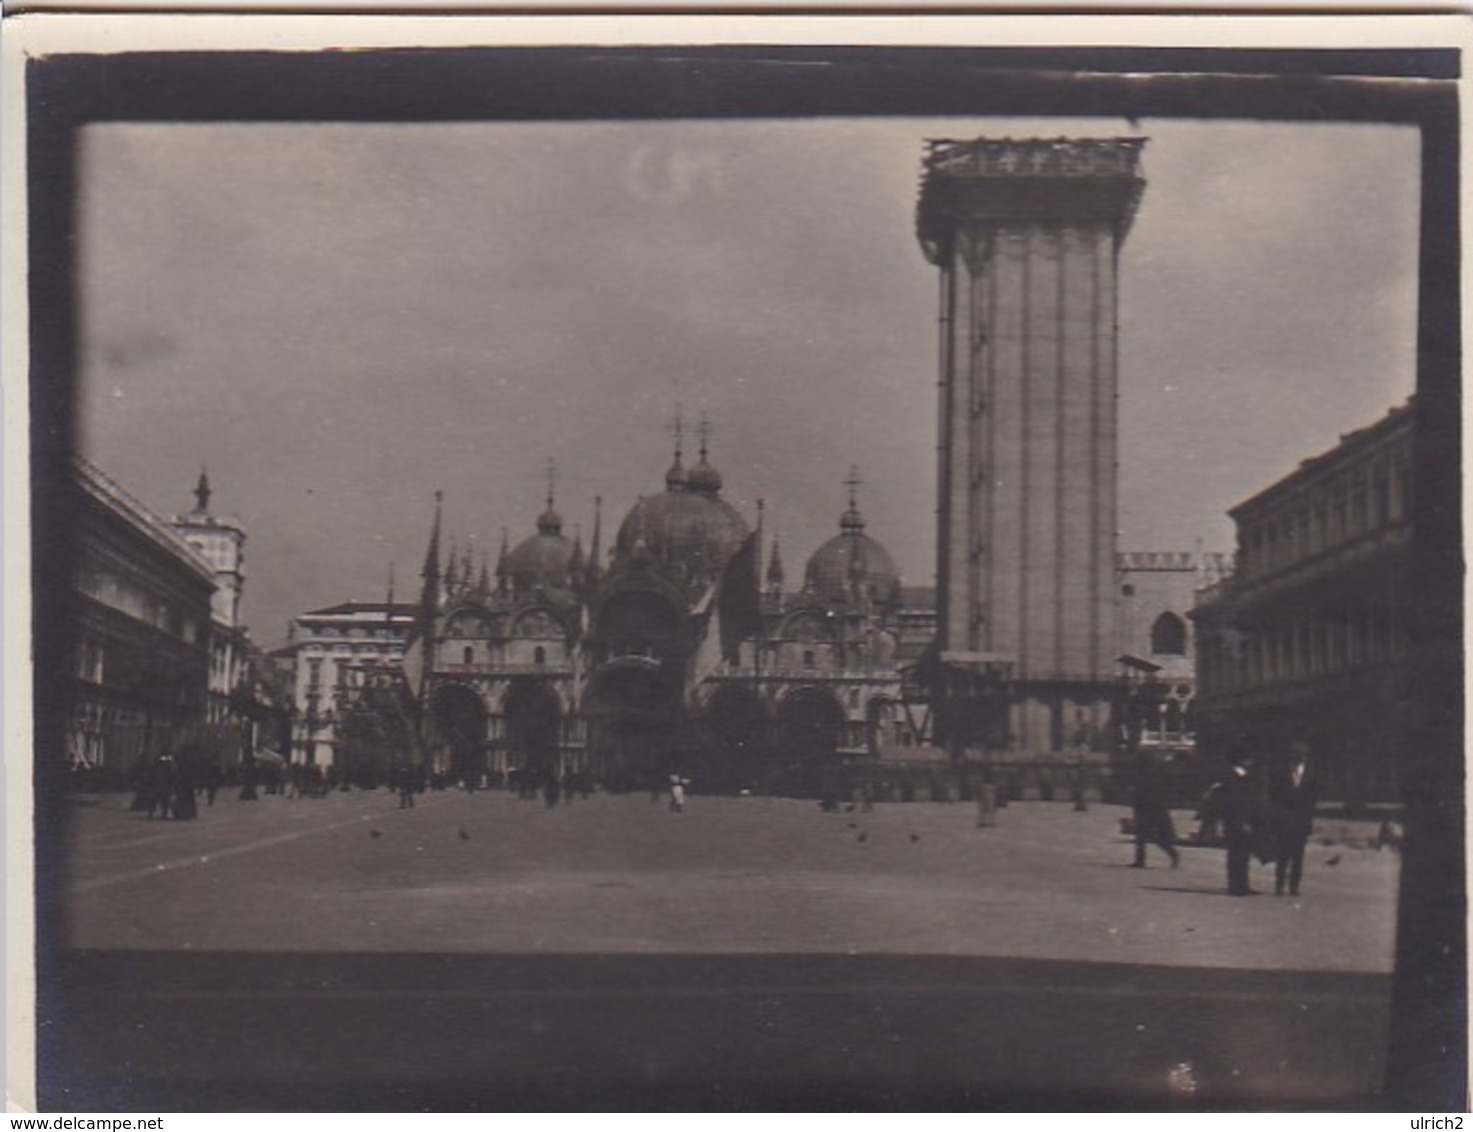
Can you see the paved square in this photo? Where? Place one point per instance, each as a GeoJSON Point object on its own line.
{"type": "Point", "coordinates": [485, 952]}
{"type": "Point", "coordinates": [620, 874]}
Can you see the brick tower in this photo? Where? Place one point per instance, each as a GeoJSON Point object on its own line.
{"type": "Point", "coordinates": [1027, 234]}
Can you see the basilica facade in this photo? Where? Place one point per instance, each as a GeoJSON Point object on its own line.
{"type": "Point", "coordinates": [680, 649]}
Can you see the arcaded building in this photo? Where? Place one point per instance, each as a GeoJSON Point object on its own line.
{"type": "Point", "coordinates": [1307, 640]}
{"type": "Point", "coordinates": [1026, 236]}
{"type": "Point", "coordinates": [141, 632]}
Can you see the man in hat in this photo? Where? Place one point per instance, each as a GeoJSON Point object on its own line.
{"type": "Point", "coordinates": [1291, 801]}
{"type": "Point", "coordinates": [1237, 799]}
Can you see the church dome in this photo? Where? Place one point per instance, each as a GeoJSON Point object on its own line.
{"type": "Point", "coordinates": [852, 558]}
{"type": "Point", "coordinates": [704, 479]}
{"type": "Point", "coordinates": [542, 560]}
{"type": "Point", "coordinates": [693, 534]}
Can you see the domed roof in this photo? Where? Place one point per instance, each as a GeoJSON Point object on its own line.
{"type": "Point", "coordinates": [694, 534]}
{"type": "Point", "coordinates": [853, 558]}
{"type": "Point", "coordinates": [542, 560]}
{"type": "Point", "coordinates": [704, 479]}
{"type": "Point", "coordinates": [850, 557]}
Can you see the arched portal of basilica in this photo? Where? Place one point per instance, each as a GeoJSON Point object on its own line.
{"type": "Point", "coordinates": [810, 725]}
{"type": "Point", "coordinates": [737, 734]}
{"type": "Point", "coordinates": [632, 712]}
{"type": "Point", "coordinates": [533, 725]}
{"type": "Point", "coordinates": [460, 725]}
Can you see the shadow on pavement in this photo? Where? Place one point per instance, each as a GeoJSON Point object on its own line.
{"type": "Point", "coordinates": [197, 1032]}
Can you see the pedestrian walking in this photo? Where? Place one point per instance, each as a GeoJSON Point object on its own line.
{"type": "Point", "coordinates": [1152, 818]}
{"type": "Point", "coordinates": [1291, 802]}
{"type": "Point", "coordinates": [677, 794]}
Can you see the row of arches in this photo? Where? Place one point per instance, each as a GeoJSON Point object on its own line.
{"type": "Point", "coordinates": [632, 725]}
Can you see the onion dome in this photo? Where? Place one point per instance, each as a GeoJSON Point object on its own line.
{"type": "Point", "coordinates": [543, 561]}
{"type": "Point", "coordinates": [691, 534]}
{"type": "Point", "coordinates": [852, 561]}
{"type": "Point", "coordinates": [550, 522]}
{"type": "Point", "coordinates": [704, 479]}
{"type": "Point", "coordinates": [686, 529]}
{"type": "Point", "coordinates": [540, 562]}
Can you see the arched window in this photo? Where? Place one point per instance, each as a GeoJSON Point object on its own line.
{"type": "Point", "coordinates": [1169, 635]}
{"type": "Point", "coordinates": [470, 654]}
{"type": "Point", "coordinates": [539, 656]}
{"type": "Point", "coordinates": [807, 658]}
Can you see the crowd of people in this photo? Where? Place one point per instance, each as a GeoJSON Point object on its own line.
{"type": "Point", "coordinates": [170, 788]}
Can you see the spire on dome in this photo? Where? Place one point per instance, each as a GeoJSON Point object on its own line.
{"type": "Point", "coordinates": [675, 478]}
{"type": "Point", "coordinates": [703, 477]}
{"type": "Point", "coordinates": [852, 522]}
{"type": "Point", "coordinates": [550, 522]}
{"type": "Point", "coordinates": [483, 583]}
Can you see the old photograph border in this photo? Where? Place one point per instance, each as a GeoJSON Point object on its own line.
{"type": "Point", "coordinates": [812, 68]}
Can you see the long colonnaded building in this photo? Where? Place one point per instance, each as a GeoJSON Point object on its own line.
{"type": "Point", "coordinates": [1307, 640]}
{"type": "Point", "coordinates": [140, 633]}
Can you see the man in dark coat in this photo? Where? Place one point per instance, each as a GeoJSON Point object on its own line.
{"type": "Point", "coordinates": [1291, 801]}
{"type": "Point", "coordinates": [1152, 817]}
{"type": "Point", "coordinates": [1236, 804]}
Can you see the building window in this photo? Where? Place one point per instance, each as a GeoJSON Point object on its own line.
{"type": "Point", "coordinates": [1127, 590]}
{"type": "Point", "coordinates": [469, 655]}
{"type": "Point", "coordinates": [539, 656]}
{"type": "Point", "coordinates": [1169, 635]}
{"type": "Point", "coordinates": [1358, 503]}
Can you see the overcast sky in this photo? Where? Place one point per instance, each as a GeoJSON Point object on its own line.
{"type": "Point", "coordinates": [338, 320]}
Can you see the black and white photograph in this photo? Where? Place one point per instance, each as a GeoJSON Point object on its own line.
{"type": "Point", "coordinates": [743, 574]}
